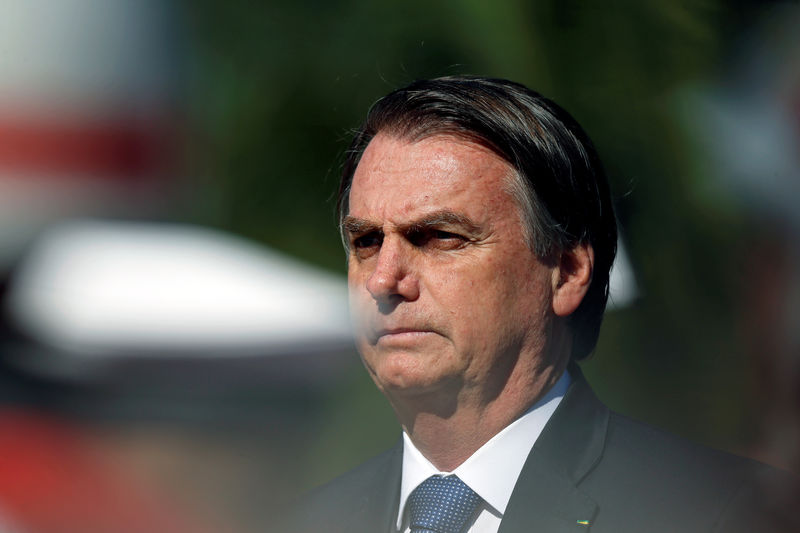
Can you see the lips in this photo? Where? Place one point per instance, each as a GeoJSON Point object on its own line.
{"type": "Point", "coordinates": [397, 333]}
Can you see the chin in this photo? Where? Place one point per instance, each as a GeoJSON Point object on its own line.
{"type": "Point", "coordinates": [400, 380]}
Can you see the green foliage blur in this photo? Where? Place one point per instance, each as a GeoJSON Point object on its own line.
{"type": "Point", "coordinates": [277, 86]}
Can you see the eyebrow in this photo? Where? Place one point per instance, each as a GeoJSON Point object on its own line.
{"type": "Point", "coordinates": [442, 218]}
{"type": "Point", "coordinates": [354, 225]}
{"type": "Point", "coordinates": [359, 226]}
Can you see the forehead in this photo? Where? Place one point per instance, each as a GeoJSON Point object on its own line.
{"type": "Point", "coordinates": [400, 178]}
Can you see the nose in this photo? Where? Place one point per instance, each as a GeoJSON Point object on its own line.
{"type": "Point", "coordinates": [393, 281]}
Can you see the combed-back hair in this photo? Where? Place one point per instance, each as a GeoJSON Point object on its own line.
{"type": "Point", "coordinates": [559, 181]}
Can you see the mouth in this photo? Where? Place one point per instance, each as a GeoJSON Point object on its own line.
{"type": "Point", "coordinates": [398, 334]}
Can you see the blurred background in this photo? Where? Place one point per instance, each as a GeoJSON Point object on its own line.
{"type": "Point", "coordinates": [174, 346]}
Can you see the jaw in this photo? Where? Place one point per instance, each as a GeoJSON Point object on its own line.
{"type": "Point", "coordinates": [491, 397]}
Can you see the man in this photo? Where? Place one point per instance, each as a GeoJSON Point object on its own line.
{"type": "Point", "coordinates": [480, 234]}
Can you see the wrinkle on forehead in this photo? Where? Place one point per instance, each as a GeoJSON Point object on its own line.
{"type": "Point", "coordinates": [434, 160]}
{"type": "Point", "coordinates": [439, 152]}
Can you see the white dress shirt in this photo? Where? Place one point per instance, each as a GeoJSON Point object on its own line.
{"type": "Point", "coordinates": [491, 471]}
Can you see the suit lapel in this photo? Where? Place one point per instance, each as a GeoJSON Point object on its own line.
{"type": "Point", "coordinates": [377, 508]}
{"type": "Point", "coordinates": [546, 496]}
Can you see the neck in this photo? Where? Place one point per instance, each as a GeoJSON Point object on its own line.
{"type": "Point", "coordinates": [447, 431]}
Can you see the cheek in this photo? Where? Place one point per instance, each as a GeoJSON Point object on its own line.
{"type": "Point", "coordinates": [471, 300]}
{"type": "Point", "coordinates": [470, 288]}
{"type": "Point", "coordinates": [495, 301]}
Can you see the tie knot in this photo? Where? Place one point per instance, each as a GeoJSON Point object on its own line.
{"type": "Point", "coordinates": [441, 505]}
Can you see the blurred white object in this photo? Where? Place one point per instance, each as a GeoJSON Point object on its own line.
{"type": "Point", "coordinates": [623, 289]}
{"type": "Point", "coordinates": [95, 289]}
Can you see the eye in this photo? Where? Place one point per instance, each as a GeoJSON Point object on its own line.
{"type": "Point", "coordinates": [368, 240]}
{"type": "Point", "coordinates": [365, 245]}
{"type": "Point", "coordinates": [446, 235]}
{"type": "Point", "coordinates": [436, 238]}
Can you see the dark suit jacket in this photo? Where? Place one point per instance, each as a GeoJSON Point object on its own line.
{"type": "Point", "coordinates": [589, 466]}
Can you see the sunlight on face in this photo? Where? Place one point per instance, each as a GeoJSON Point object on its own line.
{"type": "Point", "coordinates": [444, 290]}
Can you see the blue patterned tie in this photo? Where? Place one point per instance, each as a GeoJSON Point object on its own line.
{"type": "Point", "coordinates": [441, 505]}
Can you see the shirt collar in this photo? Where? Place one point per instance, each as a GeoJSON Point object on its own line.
{"type": "Point", "coordinates": [491, 471]}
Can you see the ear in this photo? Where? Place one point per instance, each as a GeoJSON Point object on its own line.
{"type": "Point", "coordinates": [571, 278]}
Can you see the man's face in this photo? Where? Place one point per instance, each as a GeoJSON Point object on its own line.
{"type": "Point", "coordinates": [444, 291]}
